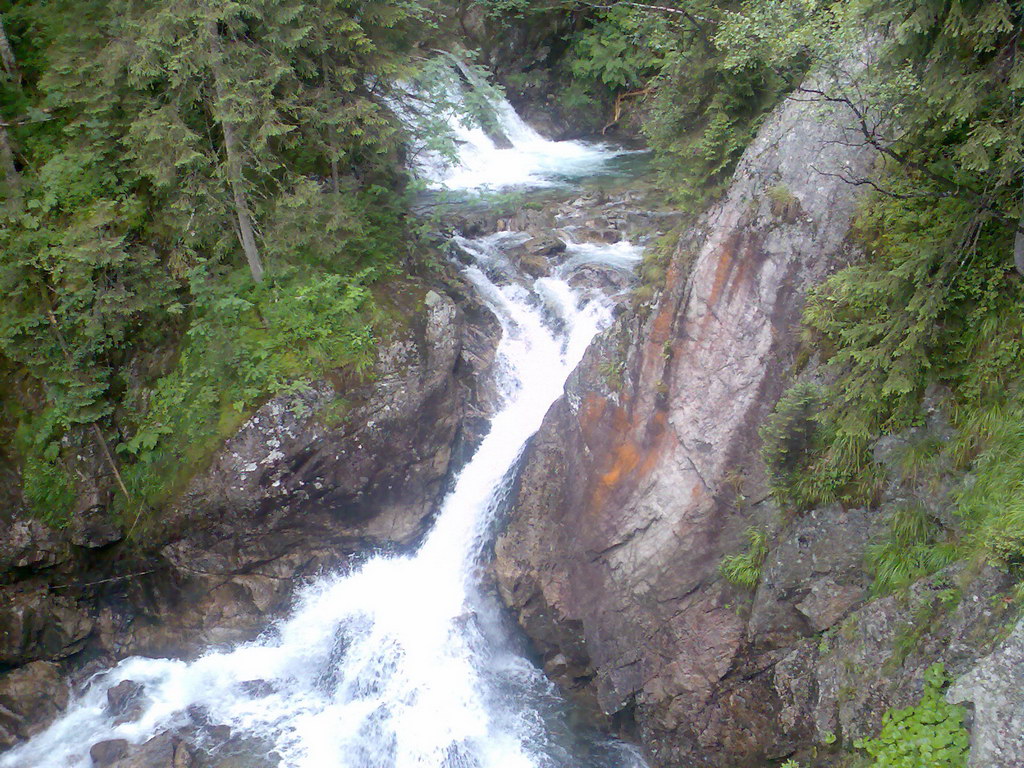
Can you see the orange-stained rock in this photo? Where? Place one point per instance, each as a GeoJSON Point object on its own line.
{"type": "Point", "coordinates": [625, 506]}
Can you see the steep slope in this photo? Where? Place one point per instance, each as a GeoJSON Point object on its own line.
{"type": "Point", "coordinates": [309, 481]}
{"type": "Point", "coordinates": [631, 496]}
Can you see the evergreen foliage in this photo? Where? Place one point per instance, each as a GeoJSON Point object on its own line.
{"type": "Point", "coordinates": [623, 48]}
{"type": "Point", "coordinates": [163, 154]}
{"type": "Point", "coordinates": [936, 298]}
{"type": "Point", "coordinates": [709, 82]}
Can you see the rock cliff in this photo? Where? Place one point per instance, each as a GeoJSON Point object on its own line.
{"type": "Point", "coordinates": [309, 481]}
{"type": "Point", "coordinates": [647, 472]}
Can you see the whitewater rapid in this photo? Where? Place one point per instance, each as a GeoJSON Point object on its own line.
{"type": "Point", "coordinates": [402, 662]}
{"type": "Point", "coordinates": [512, 154]}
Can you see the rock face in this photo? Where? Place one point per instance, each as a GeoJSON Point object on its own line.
{"type": "Point", "coordinates": [308, 481]}
{"type": "Point", "coordinates": [632, 492]}
{"type": "Point", "coordinates": [29, 696]}
{"type": "Point", "coordinates": [995, 686]}
{"type": "Point", "coordinates": [648, 471]}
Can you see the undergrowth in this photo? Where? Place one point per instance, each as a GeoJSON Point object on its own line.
{"type": "Point", "coordinates": [913, 546]}
{"type": "Point", "coordinates": [933, 302]}
{"type": "Point", "coordinates": [249, 342]}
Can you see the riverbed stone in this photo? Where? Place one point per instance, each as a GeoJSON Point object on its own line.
{"type": "Point", "coordinates": [124, 701]}
{"type": "Point", "coordinates": [30, 697]}
{"type": "Point", "coordinates": [107, 753]}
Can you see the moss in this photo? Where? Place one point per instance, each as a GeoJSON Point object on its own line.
{"type": "Point", "coordinates": [335, 413]}
{"type": "Point", "coordinates": [783, 204]}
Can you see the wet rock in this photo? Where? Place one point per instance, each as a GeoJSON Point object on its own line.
{"type": "Point", "coordinates": [995, 686]}
{"type": "Point", "coordinates": [93, 529]}
{"type": "Point", "coordinates": [29, 544]}
{"type": "Point", "coordinates": [124, 701]}
{"type": "Point", "coordinates": [258, 688]}
{"type": "Point", "coordinates": [545, 246]}
{"type": "Point", "coordinates": [162, 751]}
{"type": "Point", "coordinates": [533, 257]}
{"type": "Point", "coordinates": [38, 624]}
{"type": "Point", "coordinates": [600, 279]}
{"type": "Point", "coordinates": [30, 697]}
{"type": "Point", "coordinates": [106, 753]}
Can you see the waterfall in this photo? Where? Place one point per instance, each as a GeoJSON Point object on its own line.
{"type": "Point", "coordinates": [524, 159]}
{"type": "Point", "coordinates": [402, 662]}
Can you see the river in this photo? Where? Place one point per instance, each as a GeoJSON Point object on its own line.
{"type": "Point", "coordinates": [405, 661]}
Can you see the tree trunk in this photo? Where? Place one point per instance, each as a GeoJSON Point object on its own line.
{"type": "Point", "coordinates": [11, 175]}
{"type": "Point", "coordinates": [7, 56]}
{"type": "Point", "coordinates": [335, 179]}
{"type": "Point", "coordinates": [246, 233]}
{"type": "Point", "coordinates": [332, 133]}
{"type": "Point", "coordinates": [1018, 249]}
{"type": "Point", "coordinates": [101, 441]}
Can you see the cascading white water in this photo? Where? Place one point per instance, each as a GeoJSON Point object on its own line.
{"type": "Point", "coordinates": [530, 160]}
{"type": "Point", "coordinates": [400, 662]}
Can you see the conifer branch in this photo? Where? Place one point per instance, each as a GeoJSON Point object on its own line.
{"type": "Point", "coordinates": [101, 441]}
{"type": "Point", "coordinates": [871, 137]}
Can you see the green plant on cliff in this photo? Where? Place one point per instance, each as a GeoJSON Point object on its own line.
{"type": "Point", "coordinates": [991, 505]}
{"type": "Point", "coordinates": [914, 545]}
{"type": "Point", "coordinates": [744, 569]}
{"type": "Point", "coordinates": [158, 156]}
{"type": "Point", "coordinates": [783, 204]}
{"type": "Point", "coordinates": [935, 298]}
{"type": "Point", "coordinates": [807, 462]}
{"type": "Point", "coordinates": [930, 734]}
{"type": "Point", "coordinates": [247, 342]}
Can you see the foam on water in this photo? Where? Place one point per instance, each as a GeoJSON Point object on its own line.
{"type": "Point", "coordinates": [622, 255]}
{"type": "Point", "coordinates": [529, 161]}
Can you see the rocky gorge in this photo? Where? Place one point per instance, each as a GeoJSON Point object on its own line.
{"type": "Point", "coordinates": [648, 472]}
{"type": "Point", "coordinates": [308, 482]}
{"type": "Point", "coordinates": [643, 477]}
